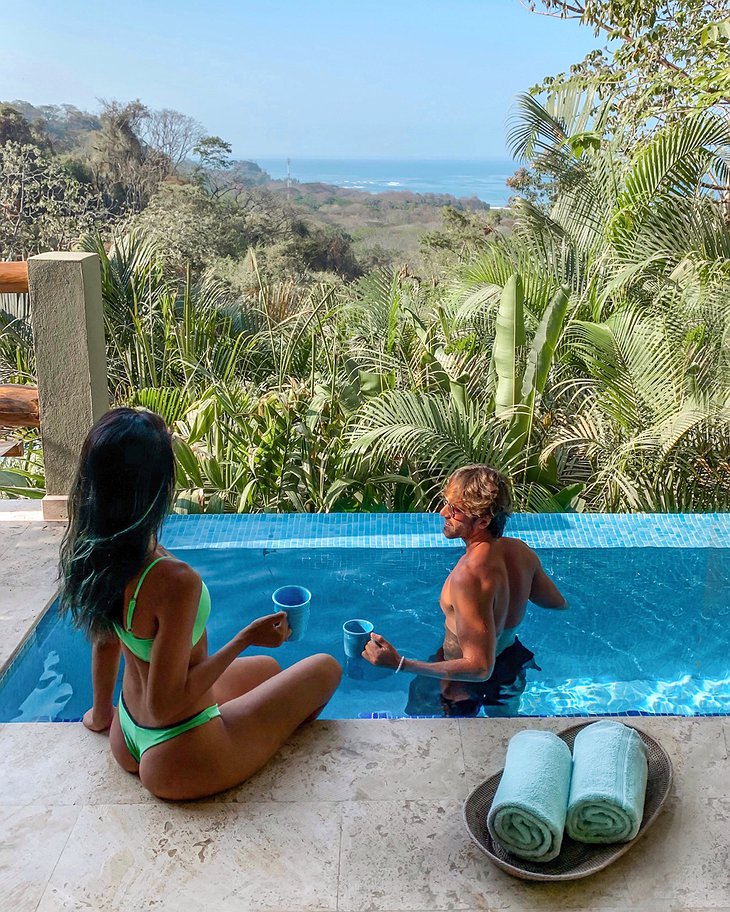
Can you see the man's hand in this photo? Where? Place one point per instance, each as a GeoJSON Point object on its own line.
{"type": "Point", "coordinates": [378, 651]}
{"type": "Point", "coordinates": [98, 722]}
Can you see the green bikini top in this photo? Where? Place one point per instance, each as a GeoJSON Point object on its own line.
{"type": "Point", "coordinates": [141, 647]}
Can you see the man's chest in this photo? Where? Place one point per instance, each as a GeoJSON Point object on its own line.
{"type": "Point", "coordinates": [446, 599]}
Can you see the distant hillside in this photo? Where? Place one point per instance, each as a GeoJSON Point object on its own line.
{"type": "Point", "coordinates": [391, 222]}
{"type": "Point", "coordinates": [160, 170]}
{"type": "Point", "coordinates": [65, 125]}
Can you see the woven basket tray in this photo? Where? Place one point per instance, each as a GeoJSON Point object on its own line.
{"type": "Point", "coordinates": [576, 859]}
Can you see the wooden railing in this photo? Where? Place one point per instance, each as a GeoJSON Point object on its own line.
{"type": "Point", "coordinates": [18, 404]}
{"type": "Point", "coordinates": [11, 448]}
{"type": "Point", "coordinates": [14, 278]}
{"type": "Point", "coordinates": [18, 409]}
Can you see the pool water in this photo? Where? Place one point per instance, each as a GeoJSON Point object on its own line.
{"type": "Point", "coordinates": [647, 630]}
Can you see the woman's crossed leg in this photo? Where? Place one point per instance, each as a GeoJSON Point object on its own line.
{"type": "Point", "coordinates": [250, 730]}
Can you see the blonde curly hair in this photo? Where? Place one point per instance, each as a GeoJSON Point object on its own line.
{"type": "Point", "coordinates": [482, 491]}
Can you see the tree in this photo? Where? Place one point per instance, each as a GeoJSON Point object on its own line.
{"type": "Point", "coordinates": [663, 60]}
{"type": "Point", "coordinates": [14, 127]}
{"type": "Point", "coordinates": [464, 233]}
{"type": "Point", "coordinates": [42, 206]}
{"type": "Point", "coordinates": [189, 226]}
{"type": "Point", "coordinates": [214, 159]}
{"type": "Point", "coordinates": [123, 169]}
{"type": "Point", "coordinates": [530, 184]}
{"type": "Point", "coordinates": [214, 153]}
{"type": "Point", "coordinates": [64, 125]}
{"type": "Point", "coordinates": [638, 407]}
{"type": "Point", "coordinates": [172, 135]}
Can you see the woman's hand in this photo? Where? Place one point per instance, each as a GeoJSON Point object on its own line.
{"type": "Point", "coordinates": [270, 631]}
{"type": "Point", "coordinates": [378, 651]}
{"type": "Point", "coordinates": [96, 721]}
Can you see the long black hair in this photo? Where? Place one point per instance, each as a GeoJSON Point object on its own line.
{"type": "Point", "coordinates": [122, 492]}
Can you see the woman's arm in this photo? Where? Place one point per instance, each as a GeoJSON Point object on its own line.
{"type": "Point", "coordinates": [105, 656]}
{"type": "Point", "coordinates": [173, 686]}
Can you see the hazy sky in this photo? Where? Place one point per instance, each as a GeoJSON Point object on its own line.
{"type": "Point", "coordinates": [329, 78]}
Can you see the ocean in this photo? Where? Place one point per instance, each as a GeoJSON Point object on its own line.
{"type": "Point", "coordinates": [483, 179]}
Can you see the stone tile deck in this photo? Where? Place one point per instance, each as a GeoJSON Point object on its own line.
{"type": "Point", "coordinates": [352, 816]}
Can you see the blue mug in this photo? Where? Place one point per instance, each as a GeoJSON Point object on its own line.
{"type": "Point", "coordinates": [296, 601]}
{"type": "Point", "coordinates": [355, 636]}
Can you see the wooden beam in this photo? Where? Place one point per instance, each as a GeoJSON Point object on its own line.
{"type": "Point", "coordinates": [11, 448]}
{"type": "Point", "coordinates": [14, 278]}
{"type": "Point", "coordinates": [19, 406]}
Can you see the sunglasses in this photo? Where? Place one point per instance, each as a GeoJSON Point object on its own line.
{"type": "Point", "coordinates": [452, 509]}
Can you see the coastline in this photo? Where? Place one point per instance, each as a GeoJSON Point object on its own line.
{"type": "Point", "coordinates": [484, 181]}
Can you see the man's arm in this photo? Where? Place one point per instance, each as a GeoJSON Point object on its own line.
{"type": "Point", "coordinates": [473, 611]}
{"type": "Point", "coordinates": [544, 592]}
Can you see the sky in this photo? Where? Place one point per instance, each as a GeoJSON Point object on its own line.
{"type": "Point", "coordinates": [322, 78]}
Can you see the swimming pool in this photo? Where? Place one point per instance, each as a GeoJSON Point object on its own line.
{"type": "Point", "coordinates": [648, 630]}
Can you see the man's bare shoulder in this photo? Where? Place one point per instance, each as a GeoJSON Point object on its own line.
{"type": "Point", "coordinates": [516, 548]}
{"type": "Point", "coordinates": [467, 575]}
{"type": "Point", "coordinates": [479, 575]}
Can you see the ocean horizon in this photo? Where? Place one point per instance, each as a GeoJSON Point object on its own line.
{"type": "Point", "coordinates": [481, 178]}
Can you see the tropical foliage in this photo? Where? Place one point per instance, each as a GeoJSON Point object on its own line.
{"type": "Point", "coordinates": [663, 59]}
{"type": "Point", "coordinates": [586, 352]}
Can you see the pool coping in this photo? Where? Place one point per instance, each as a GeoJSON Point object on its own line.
{"type": "Point", "coordinates": [28, 582]}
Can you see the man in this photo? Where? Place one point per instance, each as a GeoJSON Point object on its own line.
{"type": "Point", "coordinates": [481, 662]}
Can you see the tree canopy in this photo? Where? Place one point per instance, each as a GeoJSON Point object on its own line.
{"type": "Point", "coordinates": [662, 58]}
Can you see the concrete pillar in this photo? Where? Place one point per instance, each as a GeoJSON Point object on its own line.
{"type": "Point", "coordinates": [68, 335]}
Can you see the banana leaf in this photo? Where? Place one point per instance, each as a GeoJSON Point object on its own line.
{"type": "Point", "coordinates": [509, 337]}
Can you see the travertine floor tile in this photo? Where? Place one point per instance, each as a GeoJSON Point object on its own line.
{"type": "Point", "coordinates": [15, 512]}
{"type": "Point", "coordinates": [62, 763]}
{"type": "Point", "coordinates": [485, 741]}
{"type": "Point", "coordinates": [698, 752]}
{"type": "Point", "coordinates": [416, 855]}
{"type": "Point", "coordinates": [11, 533]}
{"type": "Point", "coordinates": [696, 747]}
{"type": "Point", "coordinates": [408, 855]}
{"type": "Point", "coordinates": [685, 857]}
{"type": "Point", "coordinates": [187, 858]}
{"type": "Point", "coordinates": [31, 841]}
{"type": "Point", "coordinates": [28, 571]}
{"type": "Point", "coordinates": [363, 759]}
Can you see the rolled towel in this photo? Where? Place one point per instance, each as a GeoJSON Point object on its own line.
{"type": "Point", "coordinates": [608, 785]}
{"type": "Point", "coordinates": [528, 812]}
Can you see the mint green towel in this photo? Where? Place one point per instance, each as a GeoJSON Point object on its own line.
{"type": "Point", "coordinates": [608, 786]}
{"type": "Point", "coordinates": [528, 812]}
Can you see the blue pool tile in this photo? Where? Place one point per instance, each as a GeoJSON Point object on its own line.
{"type": "Point", "coordinates": [644, 602]}
{"type": "Point", "coordinates": [424, 530]}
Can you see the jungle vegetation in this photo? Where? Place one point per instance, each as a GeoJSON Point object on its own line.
{"type": "Point", "coordinates": [585, 351]}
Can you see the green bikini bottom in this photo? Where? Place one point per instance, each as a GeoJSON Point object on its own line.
{"type": "Point", "coordinates": [140, 738]}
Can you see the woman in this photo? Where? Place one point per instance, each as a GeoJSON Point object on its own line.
{"type": "Point", "coordinates": [190, 724]}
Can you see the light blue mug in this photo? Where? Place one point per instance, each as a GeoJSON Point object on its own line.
{"type": "Point", "coordinates": [355, 636]}
{"type": "Point", "coordinates": [296, 601]}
